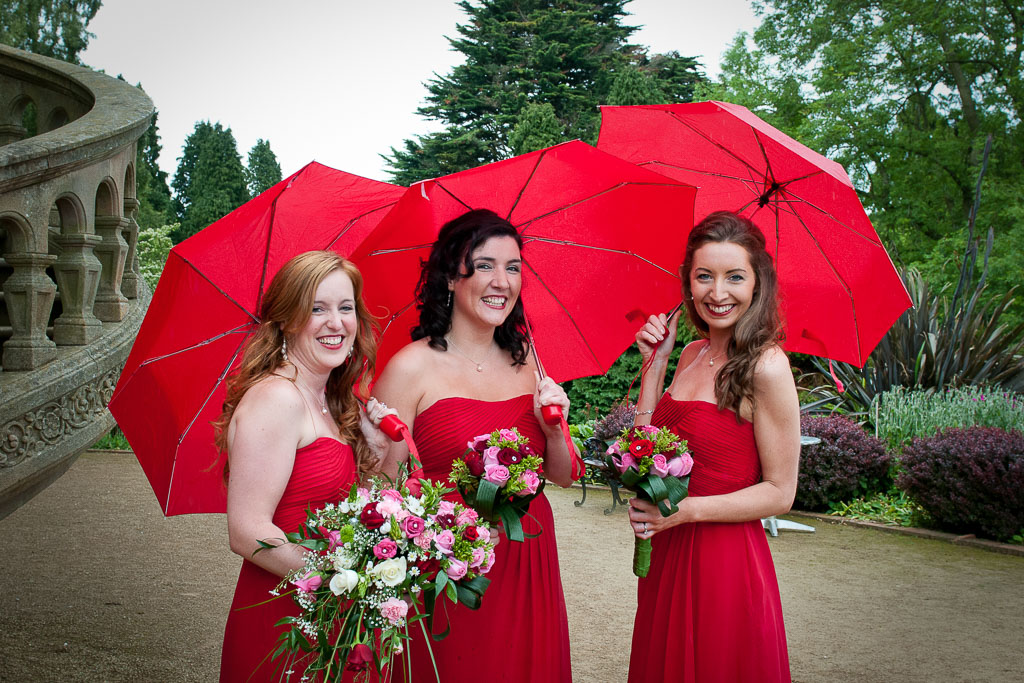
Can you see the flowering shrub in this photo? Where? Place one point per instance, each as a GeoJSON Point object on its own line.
{"type": "Point", "coordinates": [969, 480]}
{"type": "Point", "coordinates": [846, 464]}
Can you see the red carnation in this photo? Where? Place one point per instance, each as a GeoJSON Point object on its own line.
{"type": "Point", "coordinates": [641, 448]}
{"type": "Point", "coordinates": [370, 518]}
{"type": "Point", "coordinates": [360, 658]}
{"type": "Point", "coordinates": [475, 463]}
{"type": "Point", "coordinates": [508, 456]}
{"type": "Point", "coordinates": [470, 533]}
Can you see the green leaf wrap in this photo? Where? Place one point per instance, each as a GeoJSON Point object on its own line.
{"type": "Point", "coordinates": [486, 492]}
{"type": "Point", "coordinates": [513, 527]}
{"type": "Point", "coordinates": [641, 557]}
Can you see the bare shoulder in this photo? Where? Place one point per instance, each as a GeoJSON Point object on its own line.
{"type": "Point", "coordinates": [273, 398]}
{"type": "Point", "coordinates": [773, 370]}
{"type": "Point", "coordinates": [409, 362]}
{"type": "Point", "coordinates": [690, 351]}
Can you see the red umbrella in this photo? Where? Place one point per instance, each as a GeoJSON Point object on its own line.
{"type": "Point", "coordinates": [840, 291]}
{"type": "Point", "coordinates": [205, 307]}
{"type": "Point", "coordinates": [602, 238]}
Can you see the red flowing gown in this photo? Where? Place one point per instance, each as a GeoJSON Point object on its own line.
{"type": "Point", "coordinates": [520, 633]}
{"type": "Point", "coordinates": [709, 609]}
{"type": "Point", "coordinates": [323, 472]}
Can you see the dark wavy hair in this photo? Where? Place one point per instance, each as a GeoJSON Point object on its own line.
{"type": "Point", "coordinates": [454, 247]}
{"type": "Point", "coordinates": [760, 328]}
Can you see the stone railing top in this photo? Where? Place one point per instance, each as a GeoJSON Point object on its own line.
{"type": "Point", "coordinates": [120, 114]}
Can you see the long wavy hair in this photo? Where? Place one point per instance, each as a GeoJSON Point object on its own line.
{"type": "Point", "coordinates": [760, 328]}
{"type": "Point", "coordinates": [287, 307]}
{"type": "Point", "coordinates": [454, 247]}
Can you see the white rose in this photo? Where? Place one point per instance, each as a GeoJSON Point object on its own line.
{"type": "Point", "coordinates": [344, 581]}
{"type": "Point", "coordinates": [391, 572]}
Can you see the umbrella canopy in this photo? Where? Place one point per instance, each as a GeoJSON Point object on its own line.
{"type": "Point", "coordinates": [205, 307]}
{"type": "Point", "coordinates": [840, 291]}
{"type": "Point", "coordinates": [602, 239]}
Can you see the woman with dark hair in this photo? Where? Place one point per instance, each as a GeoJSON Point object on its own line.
{"type": "Point", "coordinates": [709, 609]}
{"type": "Point", "coordinates": [468, 372]}
{"type": "Point", "coordinates": [295, 436]}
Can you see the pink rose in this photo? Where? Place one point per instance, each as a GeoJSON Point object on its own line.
{"type": "Point", "coordinates": [466, 516]}
{"type": "Point", "coordinates": [479, 443]}
{"type": "Point", "coordinates": [649, 429]}
{"type": "Point", "coordinates": [624, 462]}
{"type": "Point", "coordinates": [486, 567]}
{"type": "Point", "coordinates": [444, 541]}
{"type": "Point", "coordinates": [490, 455]}
{"type": "Point", "coordinates": [394, 610]}
{"type": "Point", "coordinates": [309, 582]}
{"type": "Point", "coordinates": [659, 465]}
{"type": "Point", "coordinates": [479, 555]}
{"type": "Point", "coordinates": [389, 506]}
{"type": "Point", "coordinates": [392, 494]}
{"type": "Point", "coordinates": [613, 449]}
{"type": "Point", "coordinates": [507, 435]}
{"type": "Point", "coordinates": [483, 534]}
{"type": "Point", "coordinates": [386, 549]}
{"type": "Point", "coordinates": [333, 538]}
{"type": "Point", "coordinates": [456, 569]}
{"type": "Point", "coordinates": [680, 466]}
{"type": "Point", "coordinates": [530, 482]}
{"type": "Point", "coordinates": [497, 474]}
{"type": "Point", "coordinates": [423, 540]}
{"type": "Point", "coordinates": [412, 526]}
{"type": "Point", "coordinates": [363, 493]}
{"type": "Point", "coordinates": [446, 507]}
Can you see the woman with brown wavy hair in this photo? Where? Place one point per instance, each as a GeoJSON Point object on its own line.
{"type": "Point", "coordinates": [709, 609]}
{"type": "Point", "coordinates": [295, 435]}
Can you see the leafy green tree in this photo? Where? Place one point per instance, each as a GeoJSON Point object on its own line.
{"type": "Point", "coordinates": [633, 86]}
{"type": "Point", "coordinates": [54, 28]}
{"type": "Point", "coordinates": [902, 94]}
{"type": "Point", "coordinates": [154, 245]}
{"type": "Point", "coordinates": [210, 180]}
{"type": "Point", "coordinates": [563, 53]}
{"type": "Point", "coordinates": [536, 127]}
{"type": "Point", "coordinates": [263, 171]}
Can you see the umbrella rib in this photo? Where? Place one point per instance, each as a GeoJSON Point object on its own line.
{"type": "Point", "coordinates": [397, 250]}
{"type": "Point", "coordinates": [724, 176]}
{"type": "Point", "coordinates": [452, 195]}
{"type": "Point", "coordinates": [812, 205]}
{"type": "Point", "coordinates": [353, 221]}
{"type": "Point", "coordinates": [719, 145]}
{"type": "Point", "coordinates": [566, 207]}
{"type": "Point", "coordinates": [566, 311]}
{"type": "Point", "coordinates": [234, 330]}
{"type": "Point", "coordinates": [219, 290]}
{"type": "Point", "coordinates": [199, 412]}
{"type": "Point", "coordinates": [623, 252]}
{"type": "Point", "coordinates": [270, 236]}
{"type": "Point", "coordinates": [511, 210]}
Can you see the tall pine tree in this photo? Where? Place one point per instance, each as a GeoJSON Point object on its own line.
{"type": "Point", "coordinates": [54, 28]}
{"type": "Point", "coordinates": [210, 180]}
{"type": "Point", "coordinates": [155, 206]}
{"type": "Point", "coordinates": [564, 53]}
{"type": "Point", "coordinates": [262, 171]}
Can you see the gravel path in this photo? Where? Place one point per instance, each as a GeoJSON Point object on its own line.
{"type": "Point", "coordinates": [98, 586]}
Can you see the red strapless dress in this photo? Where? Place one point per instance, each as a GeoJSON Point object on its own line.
{"type": "Point", "coordinates": [709, 610]}
{"type": "Point", "coordinates": [520, 633]}
{"type": "Point", "coordinates": [323, 472]}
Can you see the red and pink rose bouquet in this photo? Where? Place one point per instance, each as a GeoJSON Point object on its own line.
{"type": "Point", "coordinates": [498, 476]}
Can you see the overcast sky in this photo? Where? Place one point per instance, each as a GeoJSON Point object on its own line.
{"type": "Point", "coordinates": [337, 81]}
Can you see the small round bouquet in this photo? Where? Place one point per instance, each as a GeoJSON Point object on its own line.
{"type": "Point", "coordinates": [653, 463]}
{"type": "Point", "coordinates": [378, 561]}
{"type": "Point", "coordinates": [498, 476]}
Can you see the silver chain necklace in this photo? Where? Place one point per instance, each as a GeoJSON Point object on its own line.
{"type": "Point", "coordinates": [479, 364]}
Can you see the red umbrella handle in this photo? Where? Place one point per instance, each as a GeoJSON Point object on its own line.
{"type": "Point", "coordinates": [552, 414]}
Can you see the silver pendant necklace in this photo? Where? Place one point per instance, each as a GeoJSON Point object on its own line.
{"type": "Point", "coordinates": [479, 364]}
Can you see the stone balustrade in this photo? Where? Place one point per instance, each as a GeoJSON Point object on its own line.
{"type": "Point", "coordinates": [71, 297]}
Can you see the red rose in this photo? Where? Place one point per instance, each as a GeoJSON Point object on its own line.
{"type": "Point", "coordinates": [428, 568]}
{"type": "Point", "coordinates": [641, 448]}
{"type": "Point", "coordinates": [508, 456]}
{"type": "Point", "coordinates": [445, 521]}
{"type": "Point", "coordinates": [360, 658]}
{"type": "Point", "coordinates": [527, 450]}
{"type": "Point", "coordinates": [370, 518]}
{"type": "Point", "coordinates": [470, 534]}
{"type": "Point", "coordinates": [475, 463]}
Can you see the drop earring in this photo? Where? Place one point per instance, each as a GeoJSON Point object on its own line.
{"type": "Point", "coordinates": [449, 298]}
{"type": "Point", "coordinates": [350, 352]}
{"type": "Point", "coordinates": [284, 349]}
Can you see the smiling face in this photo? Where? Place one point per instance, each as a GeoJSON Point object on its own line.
{"type": "Point", "coordinates": [722, 283]}
{"type": "Point", "coordinates": [489, 294]}
{"type": "Point", "coordinates": [324, 341]}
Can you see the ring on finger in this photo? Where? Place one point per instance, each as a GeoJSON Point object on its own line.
{"type": "Point", "coordinates": [645, 527]}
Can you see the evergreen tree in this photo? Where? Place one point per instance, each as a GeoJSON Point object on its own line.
{"type": "Point", "coordinates": [53, 28]}
{"type": "Point", "coordinates": [633, 86]}
{"type": "Point", "coordinates": [563, 53]}
{"type": "Point", "coordinates": [210, 180]}
{"type": "Point", "coordinates": [155, 206]}
{"type": "Point", "coordinates": [263, 171]}
{"type": "Point", "coordinates": [536, 128]}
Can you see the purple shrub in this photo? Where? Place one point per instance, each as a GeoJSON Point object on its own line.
{"type": "Point", "coordinates": [969, 480]}
{"type": "Point", "coordinates": [848, 463]}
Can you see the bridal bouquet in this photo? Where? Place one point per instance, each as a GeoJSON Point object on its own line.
{"type": "Point", "coordinates": [653, 463]}
{"type": "Point", "coordinates": [498, 476]}
{"type": "Point", "coordinates": [378, 560]}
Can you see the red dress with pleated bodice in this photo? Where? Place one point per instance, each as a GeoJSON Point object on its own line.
{"type": "Point", "coordinates": [520, 633]}
{"type": "Point", "coordinates": [709, 610]}
{"type": "Point", "coordinates": [323, 472]}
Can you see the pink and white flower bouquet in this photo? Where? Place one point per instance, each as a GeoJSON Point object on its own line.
{"type": "Point", "coordinates": [498, 476]}
{"type": "Point", "coordinates": [653, 463]}
{"type": "Point", "coordinates": [377, 562]}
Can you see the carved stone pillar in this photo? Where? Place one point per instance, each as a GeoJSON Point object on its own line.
{"type": "Point", "coordinates": [111, 306]}
{"type": "Point", "coordinates": [130, 281]}
{"type": "Point", "coordinates": [78, 277]}
{"type": "Point", "coordinates": [29, 294]}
